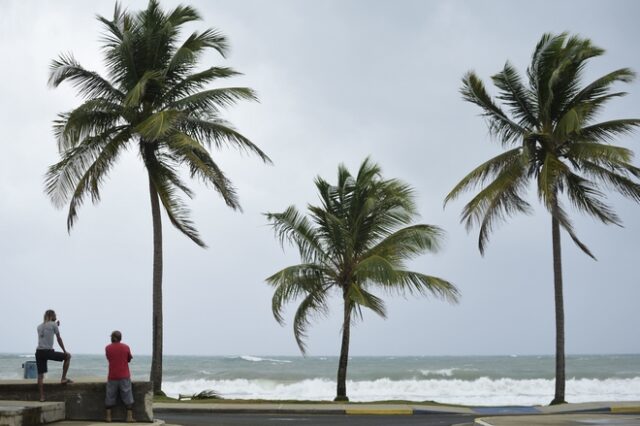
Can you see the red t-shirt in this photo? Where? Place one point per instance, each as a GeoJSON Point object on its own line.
{"type": "Point", "coordinates": [119, 356]}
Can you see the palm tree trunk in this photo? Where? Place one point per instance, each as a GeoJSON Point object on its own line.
{"type": "Point", "coordinates": [156, 355]}
{"type": "Point", "coordinates": [341, 394]}
{"type": "Point", "coordinates": [559, 298]}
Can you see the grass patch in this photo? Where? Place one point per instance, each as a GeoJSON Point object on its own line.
{"type": "Point", "coordinates": [292, 401]}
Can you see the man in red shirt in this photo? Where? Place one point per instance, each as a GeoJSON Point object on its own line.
{"type": "Point", "coordinates": [119, 380]}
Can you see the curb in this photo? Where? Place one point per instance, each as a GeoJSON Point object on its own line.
{"type": "Point", "coordinates": [226, 410]}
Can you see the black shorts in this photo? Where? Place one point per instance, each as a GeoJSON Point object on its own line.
{"type": "Point", "coordinates": [43, 355]}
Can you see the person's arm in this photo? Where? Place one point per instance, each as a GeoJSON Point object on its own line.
{"type": "Point", "coordinates": [60, 343]}
{"type": "Point", "coordinates": [56, 330]}
{"type": "Point", "coordinates": [129, 356]}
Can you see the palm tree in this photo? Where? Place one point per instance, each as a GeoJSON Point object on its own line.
{"type": "Point", "coordinates": [153, 97]}
{"type": "Point", "coordinates": [551, 139]}
{"type": "Point", "coordinates": [352, 242]}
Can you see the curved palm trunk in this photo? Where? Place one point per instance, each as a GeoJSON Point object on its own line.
{"type": "Point", "coordinates": [341, 394]}
{"type": "Point", "coordinates": [156, 355]}
{"type": "Point", "coordinates": [559, 298]}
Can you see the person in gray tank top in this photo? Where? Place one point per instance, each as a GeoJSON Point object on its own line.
{"type": "Point", "coordinates": [45, 352]}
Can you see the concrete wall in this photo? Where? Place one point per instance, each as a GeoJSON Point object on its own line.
{"type": "Point", "coordinates": [84, 400]}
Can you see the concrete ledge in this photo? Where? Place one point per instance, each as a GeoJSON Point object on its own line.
{"type": "Point", "coordinates": [83, 400]}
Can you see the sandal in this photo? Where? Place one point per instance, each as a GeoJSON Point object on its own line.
{"type": "Point", "coordinates": [66, 381]}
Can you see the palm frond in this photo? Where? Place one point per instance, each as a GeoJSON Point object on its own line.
{"type": "Point", "coordinates": [136, 94]}
{"type": "Point", "coordinates": [62, 178]}
{"type": "Point", "coordinates": [200, 164]}
{"type": "Point", "coordinates": [219, 133]}
{"type": "Point", "coordinates": [516, 96]}
{"type": "Point", "coordinates": [314, 304]}
{"type": "Point", "coordinates": [586, 198]}
{"type": "Point", "coordinates": [194, 82]}
{"type": "Point", "coordinates": [164, 181]}
{"type": "Point", "coordinates": [89, 84]}
{"type": "Point", "coordinates": [362, 298]}
{"type": "Point", "coordinates": [292, 227]}
{"type": "Point", "coordinates": [93, 117]}
{"type": "Point", "coordinates": [210, 101]}
{"type": "Point", "coordinates": [293, 282]}
{"type": "Point", "coordinates": [421, 284]}
{"type": "Point", "coordinates": [408, 242]}
{"type": "Point", "coordinates": [487, 170]}
{"type": "Point", "coordinates": [500, 125]}
{"type": "Point", "coordinates": [559, 213]}
{"type": "Point", "coordinates": [506, 187]}
{"type": "Point", "coordinates": [159, 124]}
{"type": "Point", "coordinates": [599, 88]}
{"type": "Point", "coordinates": [608, 130]}
{"type": "Point", "coordinates": [186, 56]}
{"type": "Point", "coordinates": [618, 182]}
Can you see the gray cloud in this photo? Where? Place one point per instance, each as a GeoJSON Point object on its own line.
{"type": "Point", "coordinates": [338, 80]}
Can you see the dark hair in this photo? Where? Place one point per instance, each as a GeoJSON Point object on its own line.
{"type": "Point", "coordinates": [116, 336]}
{"type": "Point", "coordinates": [49, 315]}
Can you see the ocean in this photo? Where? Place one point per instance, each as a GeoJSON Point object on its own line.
{"type": "Point", "coordinates": [469, 380]}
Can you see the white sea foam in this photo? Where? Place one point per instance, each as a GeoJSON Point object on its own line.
{"type": "Point", "coordinates": [446, 372]}
{"type": "Point", "coordinates": [257, 359]}
{"type": "Point", "coordinates": [483, 391]}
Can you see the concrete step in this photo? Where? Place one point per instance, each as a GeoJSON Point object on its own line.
{"type": "Point", "coordinates": [92, 423]}
{"type": "Point", "coordinates": [30, 413]}
{"type": "Point", "coordinates": [84, 399]}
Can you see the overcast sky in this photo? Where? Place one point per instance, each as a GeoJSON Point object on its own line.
{"type": "Point", "coordinates": [337, 81]}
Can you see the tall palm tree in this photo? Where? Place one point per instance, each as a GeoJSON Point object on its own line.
{"type": "Point", "coordinates": [551, 139]}
{"type": "Point", "coordinates": [354, 241]}
{"type": "Point", "coordinates": [155, 98]}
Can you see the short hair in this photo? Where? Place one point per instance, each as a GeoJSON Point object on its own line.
{"type": "Point", "coordinates": [116, 336]}
{"type": "Point", "coordinates": [49, 315]}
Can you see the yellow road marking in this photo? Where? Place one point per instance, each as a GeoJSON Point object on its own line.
{"type": "Point", "coordinates": [626, 409]}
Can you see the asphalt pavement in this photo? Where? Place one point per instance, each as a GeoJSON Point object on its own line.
{"type": "Point", "coordinates": [200, 414]}
{"type": "Point", "coordinates": [212, 419]}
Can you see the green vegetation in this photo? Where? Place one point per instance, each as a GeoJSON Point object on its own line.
{"type": "Point", "coordinates": [152, 98]}
{"type": "Point", "coordinates": [553, 141]}
{"type": "Point", "coordinates": [167, 399]}
{"type": "Point", "coordinates": [353, 241]}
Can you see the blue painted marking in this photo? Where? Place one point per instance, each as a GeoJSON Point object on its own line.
{"type": "Point", "coordinates": [428, 411]}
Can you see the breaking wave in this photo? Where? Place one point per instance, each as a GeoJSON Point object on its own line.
{"type": "Point", "coordinates": [258, 359]}
{"type": "Point", "coordinates": [482, 391]}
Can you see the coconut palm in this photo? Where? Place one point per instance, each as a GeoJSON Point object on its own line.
{"type": "Point", "coordinates": [552, 139]}
{"type": "Point", "coordinates": [351, 243]}
{"type": "Point", "coordinates": [154, 98]}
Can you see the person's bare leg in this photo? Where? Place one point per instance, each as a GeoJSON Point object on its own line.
{"type": "Point", "coordinates": [41, 386]}
{"type": "Point", "coordinates": [65, 366]}
{"type": "Point", "coordinates": [130, 418]}
{"type": "Point", "coordinates": [108, 418]}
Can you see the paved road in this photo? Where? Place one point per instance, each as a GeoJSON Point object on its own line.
{"type": "Point", "coordinates": [211, 419]}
